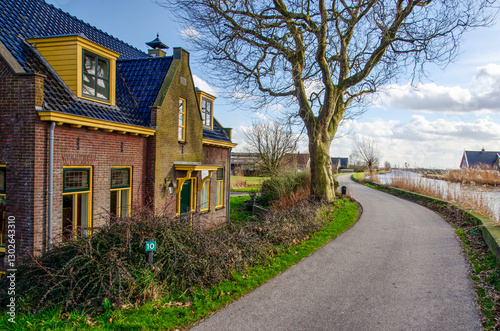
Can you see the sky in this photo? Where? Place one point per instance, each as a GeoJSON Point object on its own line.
{"type": "Point", "coordinates": [456, 108]}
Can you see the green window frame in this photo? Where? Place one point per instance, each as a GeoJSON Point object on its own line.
{"type": "Point", "coordinates": [121, 193]}
{"type": "Point", "coordinates": [206, 112]}
{"type": "Point", "coordinates": [95, 76]}
{"type": "Point", "coordinates": [77, 202]}
{"type": "Point", "coordinates": [219, 197]}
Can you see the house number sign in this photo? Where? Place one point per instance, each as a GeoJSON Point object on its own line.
{"type": "Point", "coordinates": [150, 246]}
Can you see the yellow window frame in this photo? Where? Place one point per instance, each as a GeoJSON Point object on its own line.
{"type": "Point", "coordinates": [205, 195]}
{"type": "Point", "coordinates": [89, 207]}
{"type": "Point", "coordinates": [219, 201]}
{"type": "Point", "coordinates": [3, 216]}
{"type": "Point", "coordinates": [119, 208]}
{"type": "Point", "coordinates": [183, 126]}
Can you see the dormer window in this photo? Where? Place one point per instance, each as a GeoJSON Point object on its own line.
{"type": "Point", "coordinates": [87, 68]}
{"type": "Point", "coordinates": [206, 112]}
{"type": "Point", "coordinates": [206, 102]}
{"type": "Point", "coordinates": [95, 79]}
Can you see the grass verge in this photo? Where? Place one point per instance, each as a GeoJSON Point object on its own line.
{"type": "Point", "coordinates": [179, 310]}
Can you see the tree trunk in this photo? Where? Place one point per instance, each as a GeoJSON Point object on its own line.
{"type": "Point", "coordinates": [322, 182]}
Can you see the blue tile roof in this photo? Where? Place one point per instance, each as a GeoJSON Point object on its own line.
{"type": "Point", "coordinates": [20, 20]}
{"type": "Point", "coordinates": [477, 158]}
{"type": "Point", "coordinates": [144, 78]}
{"type": "Point", "coordinates": [218, 133]}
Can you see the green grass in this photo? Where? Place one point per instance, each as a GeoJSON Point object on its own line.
{"type": "Point", "coordinates": [236, 214]}
{"type": "Point", "coordinates": [181, 310]}
{"type": "Point", "coordinates": [359, 176]}
{"type": "Point", "coordinates": [250, 189]}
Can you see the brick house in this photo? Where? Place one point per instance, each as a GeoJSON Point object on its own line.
{"type": "Point", "coordinates": [92, 128]}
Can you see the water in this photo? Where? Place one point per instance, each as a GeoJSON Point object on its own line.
{"type": "Point", "coordinates": [457, 192]}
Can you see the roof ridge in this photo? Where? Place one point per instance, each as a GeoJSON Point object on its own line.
{"type": "Point", "coordinates": [145, 58]}
{"type": "Point", "coordinates": [90, 25]}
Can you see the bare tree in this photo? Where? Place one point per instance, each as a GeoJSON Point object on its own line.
{"type": "Point", "coordinates": [366, 150]}
{"type": "Point", "coordinates": [272, 141]}
{"type": "Point", "coordinates": [324, 56]}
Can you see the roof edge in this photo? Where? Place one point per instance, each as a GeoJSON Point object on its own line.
{"type": "Point", "coordinates": [11, 60]}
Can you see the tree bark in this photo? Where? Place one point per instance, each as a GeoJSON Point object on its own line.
{"type": "Point", "coordinates": [322, 182]}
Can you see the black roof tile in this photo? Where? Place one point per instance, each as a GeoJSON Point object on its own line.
{"type": "Point", "coordinates": [218, 133]}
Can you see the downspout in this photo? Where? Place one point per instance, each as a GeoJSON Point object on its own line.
{"type": "Point", "coordinates": [228, 201]}
{"type": "Point", "coordinates": [51, 185]}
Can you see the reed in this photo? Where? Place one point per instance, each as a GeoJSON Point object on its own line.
{"type": "Point", "coordinates": [473, 200]}
{"type": "Point", "coordinates": [476, 175]}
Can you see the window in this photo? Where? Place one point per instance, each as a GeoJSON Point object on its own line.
{"type": "Point", "coordinates": [220, 188]}
{"type": "Point", "coordinates": [121, 196]}
{"type": "Point", "coordinates": [3, 217]}
{"type": "Point", "coordinates": [206, 112]}
{"type": "Point", "coordinates": [205, 196]}
{"type": "Point", "coordinates": [182, 120]}
{"type": "Point", "coordinates": [186, 199]}
{"type": "Point", "coordinates": [95, 79]}
{"type": "Point", "coordinates": [77, 202]}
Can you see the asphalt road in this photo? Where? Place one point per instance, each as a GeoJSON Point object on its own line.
{"type": "Point", "coordinates": [400, 267]}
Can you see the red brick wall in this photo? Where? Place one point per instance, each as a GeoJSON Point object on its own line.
{"type": "Point", "coordinates": [216, 156]}
{"type": "Point", "coordinates": [24, 150]}
{"type": "Point", "coordinates": [17, 151]}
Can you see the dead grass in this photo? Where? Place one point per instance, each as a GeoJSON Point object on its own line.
{"type": "Point", "coordinates": [482, 175]}
{"type": "Point", "coordinates": [469, 199]}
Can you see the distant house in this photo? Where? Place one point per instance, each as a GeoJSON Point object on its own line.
{"type": "Point", "coordinates": [471, 159]}
{"type": "Point", "coordinates": [339, 162]}
{"type": "Point", "coordinates": [249, 162]}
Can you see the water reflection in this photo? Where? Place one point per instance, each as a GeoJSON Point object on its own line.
{"type": "Point", "coordinates": [481, 196]}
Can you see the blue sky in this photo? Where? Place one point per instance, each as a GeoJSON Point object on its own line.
{"type": "Point", "coordinates": [457, 108]}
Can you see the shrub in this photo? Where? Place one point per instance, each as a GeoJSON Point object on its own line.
{"type": "Point", "coordinates": [283, 186]}
{"type": "Point", "coordinates": [110, 267]}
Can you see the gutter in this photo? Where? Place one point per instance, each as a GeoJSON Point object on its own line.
{"type": "Point", "coordinates": [51, 185]}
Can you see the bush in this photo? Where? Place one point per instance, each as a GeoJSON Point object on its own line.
{"type": "Point", "coordinates": [282, 187]}
{"type": "Point", "coordinates": [110, 267]}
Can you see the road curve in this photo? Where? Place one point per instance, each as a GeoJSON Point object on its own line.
{"type": "Point", "coordinates": [399, 267]}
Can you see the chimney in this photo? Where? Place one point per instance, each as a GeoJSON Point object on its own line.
{"type": "Point", "coordinates": [482, 149]}
{"type": "Point", "coordinates": [157, 47]}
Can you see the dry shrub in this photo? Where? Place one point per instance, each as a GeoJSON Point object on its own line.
{"type": "Point", "coordinates": [294, 198]}
{"type": "Point", "coordinates": [111, 264]}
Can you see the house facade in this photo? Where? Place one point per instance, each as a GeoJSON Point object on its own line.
{"type": "Point", "coordinates": [92, 128]}
{"type": "Point", "coordinates": [339, 162]}
{"type": "Point", "coordinates": [482, 158]}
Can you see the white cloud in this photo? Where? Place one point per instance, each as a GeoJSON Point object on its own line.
{"type": "Point", "coordinates": [483, 97]}
{"type": "Point", "coordinates": [190, 33]}
{"type": "Point", "coordinates": [204, 86]}
{"type": "Point", "coordinates": [422, 142]}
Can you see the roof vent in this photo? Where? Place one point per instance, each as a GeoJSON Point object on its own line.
{"type": "Point", "coordinates": [157, 47]}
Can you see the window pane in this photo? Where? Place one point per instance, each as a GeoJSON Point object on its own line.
{"type": "Point", "coordinates": [83, 214]}
{"type": "Point", "coordinates": [181, 105]}
{"type": "Point", "coordinates": [181, 133]}
{"type": "Point", "coordinates": [102, 89]}
{"type": "Point", "coordinates": [67, 221]}
{"type": "Point", "coordinates": [124, 203]}
{"type": "Point", "coordinates": [113, 208]}
{"type": "Point", "coordinates": [88, 85]}
{"type": "Point", "coordinates": [120, 178]}
{"type": "Point", "coordinates": [76, 180]}
{"type": "Point", "coordinates": [220, 173]}
{"type": "Point", "coordinates": [181, 119]}
{"type": "Point", "coordinates": [102, 69]}
{"type": "Point", "coordinates": [89, 64]}
{"type": "Point", "coordinates": [2, 180]}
